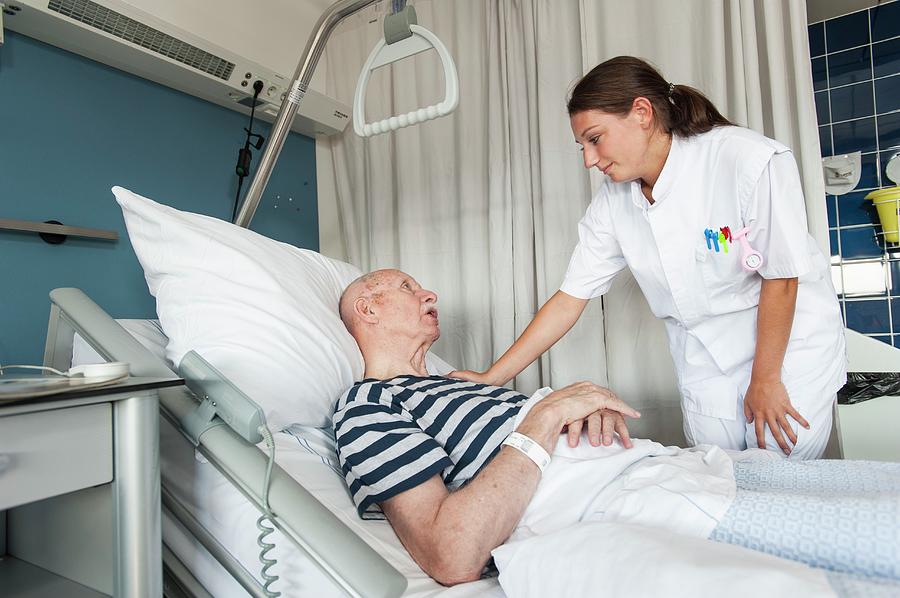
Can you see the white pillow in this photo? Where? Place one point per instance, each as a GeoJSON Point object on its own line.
{"type": "Point", "coordinates": [264, 313]}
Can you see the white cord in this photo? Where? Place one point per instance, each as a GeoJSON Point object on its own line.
{"type": "Point", "coordinates": [264, 523]}
{"type": "Point", "coordinates": [32, 367]}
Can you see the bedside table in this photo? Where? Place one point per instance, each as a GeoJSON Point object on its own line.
{"type": "Point", "coordinates": [79, 480]}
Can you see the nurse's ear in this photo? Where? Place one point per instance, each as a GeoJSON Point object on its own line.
{"type": "Point", "coordinates": [642, 110]}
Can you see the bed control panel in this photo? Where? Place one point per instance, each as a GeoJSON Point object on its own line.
{"type": "Point", "coordinates": [220, 402]}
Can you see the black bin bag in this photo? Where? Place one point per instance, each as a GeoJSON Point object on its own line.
{"type": "Point", "coordinates": [862, 386]}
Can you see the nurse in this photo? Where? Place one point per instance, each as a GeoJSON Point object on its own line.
{"type": "Point", "coordinates": [710, 219]}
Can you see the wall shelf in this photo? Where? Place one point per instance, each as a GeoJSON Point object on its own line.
{"type": "Point", "coordinates": [54, 233]}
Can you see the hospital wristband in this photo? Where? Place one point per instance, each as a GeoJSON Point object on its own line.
{"type": "Point", "coordinates": [529, 448]}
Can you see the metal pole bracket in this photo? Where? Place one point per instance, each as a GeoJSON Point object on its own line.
{"type": "Point", "coordinates": [396, 26]}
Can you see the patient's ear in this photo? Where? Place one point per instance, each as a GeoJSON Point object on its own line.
{"type": "Point", "coordinates": [363, 308]}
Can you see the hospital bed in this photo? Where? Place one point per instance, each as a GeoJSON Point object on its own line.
{"type": "Point", "coordinates": [211, 497]}
{"type": "Point", "coordinates": [233, 296]}
{"type": "Point", "coordinates": [223, 288]}
{"type": "Point", "coordinates": [212, 493]}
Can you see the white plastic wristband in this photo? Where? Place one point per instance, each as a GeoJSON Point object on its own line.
{"type": "Point", "coordinates": [529, 448]}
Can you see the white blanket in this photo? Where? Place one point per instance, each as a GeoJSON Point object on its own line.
{"type": "Point", "coordinates": [683, 490]}
{"type": "Point", "coordinates": [634, 522]}
{"type": "Point", "coordinates": [613, 559]}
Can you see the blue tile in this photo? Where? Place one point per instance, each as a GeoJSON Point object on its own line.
{"type": "Point", "coordinates": [852, 66]}
{"type": "Point", "coordinates": [887, 94]}
{"type": "Point", "coordinates": [868, 176]}
{"type": "Point", "coordinates": [889, 131]}
{"type": "Point", "coordinates": [823, 115]}
{"type": "Point", "coordinates": [885, 21]}
{"type": "Point", "coordinates": [854, 136]}
{"type": "Point", "coordinates": [894, 272]}
{"type": "Point", "coordinates": [895, 312]}
{"type": "Point", "coordinates": [884, 158]}
{"type": "Point", "coordinates": [896, 341]}
{"type": "Point", "coordinates": [833, 243]}
{"type": "Point", "coordinates": [869, 316]}
{"type": "Point", "coordinates": [852, 101]}
{"type": "Point", "coordinates": [816, 39]}
{"type": "Point", "coordinates": [885, 338]}
{"type": "Point", "coordinates": [848, 31]}
{"type": "Point", "coordinates": [831, 208]}
{"type": "Point", "coordinates": [819, 74]}
{"type": "Point", "coordinates": [859, 243]}
{"type": "Point", "coordinates": [886, 58]}
{"type": "Point", "coordinates": [853, 208]}
{"type": "Point", "coordinates": [825, 140]}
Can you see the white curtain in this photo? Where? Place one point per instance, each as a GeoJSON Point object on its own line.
{"type": "Point", "coordinates": [482, 206]}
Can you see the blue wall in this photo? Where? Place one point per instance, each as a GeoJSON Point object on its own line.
{"type": "Point", "coordinates": [70, 129]}
{"type": "Point", "coordinates": [856, 77]}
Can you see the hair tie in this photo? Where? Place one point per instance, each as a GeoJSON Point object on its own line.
{"type": "Point", "coordinates": [671, 89]}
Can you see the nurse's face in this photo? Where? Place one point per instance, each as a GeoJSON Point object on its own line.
{"type": "Point", "coordinates": [616, 145]}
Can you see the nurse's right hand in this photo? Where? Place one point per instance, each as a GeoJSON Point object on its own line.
{"type": "Point", "coordinates": [478, 377]}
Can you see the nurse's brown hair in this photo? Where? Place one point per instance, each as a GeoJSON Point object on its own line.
{"type": "Point", "coordinates": [613, 85]}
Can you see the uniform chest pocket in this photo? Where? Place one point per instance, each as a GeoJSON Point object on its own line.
{"type": "Point", "coordinates": [722, 276]}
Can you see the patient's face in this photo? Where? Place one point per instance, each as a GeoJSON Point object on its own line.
{"type": "Point", "coordinates": [404, 307]}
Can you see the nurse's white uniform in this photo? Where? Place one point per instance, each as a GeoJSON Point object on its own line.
{"type": "Point", "coordinates": [722, 180]}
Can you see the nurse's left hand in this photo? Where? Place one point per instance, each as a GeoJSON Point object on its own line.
{"type": "Point", "coordinates": [767, 403]}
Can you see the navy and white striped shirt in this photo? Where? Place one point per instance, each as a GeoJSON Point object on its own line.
{"type": "Point", "coordinates": [393, 435]}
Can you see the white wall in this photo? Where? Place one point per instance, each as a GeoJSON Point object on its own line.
{"type": "Point", "coordinates": [326, 198]}
{"type": "Point", "coordinates": [819, 10]}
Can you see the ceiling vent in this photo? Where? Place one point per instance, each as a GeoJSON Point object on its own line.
{"type": "Point", "coordinates": [158, 42]}
{"type": "Point", "coordinates": [130, 30]}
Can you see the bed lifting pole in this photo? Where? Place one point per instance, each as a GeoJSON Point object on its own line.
{"type": "Point", "coordinates": [299, 84]}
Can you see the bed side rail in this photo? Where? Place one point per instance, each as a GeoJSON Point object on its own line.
{"type": "Point", "coordinates": [347, 559]}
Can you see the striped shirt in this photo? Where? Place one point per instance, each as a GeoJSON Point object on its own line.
{"type": "Point", "coordinates": [393, 435]}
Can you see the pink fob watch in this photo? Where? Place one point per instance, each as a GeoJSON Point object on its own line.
{"type": "Point", "coordinates": [751, 259]}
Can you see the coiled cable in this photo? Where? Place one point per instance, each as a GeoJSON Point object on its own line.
{"type": "Point", "coordinates": [264, 524]}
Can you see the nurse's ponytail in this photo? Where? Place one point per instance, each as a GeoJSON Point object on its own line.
{"type": "Point", "coordinates": [613, 85]}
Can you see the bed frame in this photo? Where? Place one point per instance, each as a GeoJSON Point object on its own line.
{"type": "Point", "coordinates": [331, 545]}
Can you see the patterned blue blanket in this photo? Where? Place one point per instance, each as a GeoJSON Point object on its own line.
{"type": "Point", "coordinates": [841, 516]}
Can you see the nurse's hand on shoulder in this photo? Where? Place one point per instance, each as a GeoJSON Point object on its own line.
{"type": "Point", "coordinates": [768, 404]}
{"type": "Point", "coordinates": [478, 377]}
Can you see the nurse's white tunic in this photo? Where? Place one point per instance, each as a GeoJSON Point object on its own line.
{"type": "Point", "coordinates": [729, 177]}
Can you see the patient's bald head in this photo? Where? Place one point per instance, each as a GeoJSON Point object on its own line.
{"type": "Point", "coordinates": [387, 302]}
{"type": "Point", "coordinates": [365, 287]}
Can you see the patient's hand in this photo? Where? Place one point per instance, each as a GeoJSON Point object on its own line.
{"type": "Point", "coordinates": [601, 425]}
{"type": "Point", "coordinates": [571, 406]}
{"type": "Point", "coordinates": [478, 377]}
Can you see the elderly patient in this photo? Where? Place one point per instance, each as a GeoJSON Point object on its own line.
{"type": "Point", "coordinates": [458, 468]}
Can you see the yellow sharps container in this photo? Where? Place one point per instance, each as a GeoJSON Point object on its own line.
{"type": "Point", "coordinates": [887, 202]}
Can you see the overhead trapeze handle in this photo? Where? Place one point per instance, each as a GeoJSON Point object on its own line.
{"type": "Point", "coordinates": [383, 54]}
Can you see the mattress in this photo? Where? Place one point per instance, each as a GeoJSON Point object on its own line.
{"type": "Point", "coordinates": [307, 455]}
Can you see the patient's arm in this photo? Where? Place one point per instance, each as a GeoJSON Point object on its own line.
{"type": "Point", "coordinates": [451, 535]}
